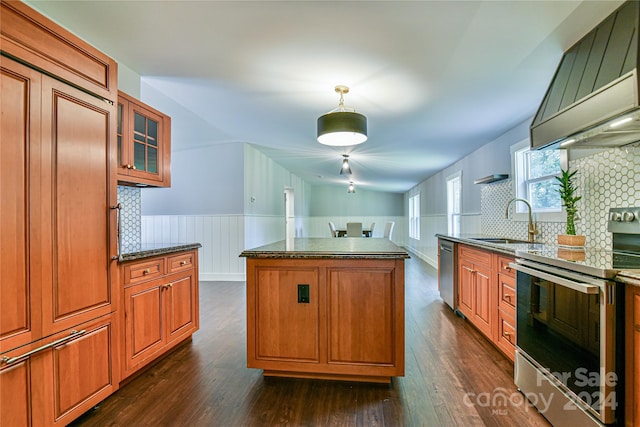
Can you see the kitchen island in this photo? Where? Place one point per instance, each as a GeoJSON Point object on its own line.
{"type": "Point", "coordinates": [329, 308]}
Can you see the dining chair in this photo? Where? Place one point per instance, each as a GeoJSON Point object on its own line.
{"type": "Point", "coordinates": [354, 229]}
{"type": "Point", "coordinates": [332, 227]}
{"type": "Point", "coordinates": [373, 225]}
{"type": "Point", "coordinates": [388, 229]}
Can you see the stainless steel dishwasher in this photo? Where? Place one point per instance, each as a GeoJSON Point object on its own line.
{"type": "Point", "coordinates": [446, 272]}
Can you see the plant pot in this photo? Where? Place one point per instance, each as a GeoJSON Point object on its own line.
{"type": "Point", "coordinates": [572, 254]}
{"type": "Point", "coordinates": [570, 240]}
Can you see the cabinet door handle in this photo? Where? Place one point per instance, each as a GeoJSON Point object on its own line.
{"type": "Point", "coordinates": [167, 286]}
{"type": "Point", "coordinates": [118, 208]}
{"type": "Point", "coordinates": [10, 360]}
{"type": "Point", "coordinates": [469, 269]}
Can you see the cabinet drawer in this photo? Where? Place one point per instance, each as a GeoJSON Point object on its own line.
{"type": "Point", "coordinates": [507, 292]}
{"type": "Point", "coordinates": [142, 271]}
{"type": "Point", "coordinates": [475, 255]}
{"type": "Point", "coordinates": [181, 262]}
{"type": "Point", "coordinates": [506, 333]}
{"type": "Point", "coordinates": [503, 266]}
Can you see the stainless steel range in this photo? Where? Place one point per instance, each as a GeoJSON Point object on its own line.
{"type": "Point", "coordinates": [570, 326]}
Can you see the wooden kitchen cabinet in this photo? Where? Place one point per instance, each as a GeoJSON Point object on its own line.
{"type": "Point", "coordinates": [58, 228]}
{"type": "Point", "coordinates": [632, 357]}
{"type": "Point", "coordinates": [350, 327]}
{"type": "Point", "coordinates": [74, 371]}
{"type": "Point", "coordinates": [144, 144]}
{"type": "Point", "coordinates": [487, 295]}
{"type": "Point", "coordinates": [474, 287]}
{"type": "Point", "coordinates": [160, 306]}
{"type": "Point", "coordinates": [53, 168]}
{"type": "Point", "coordinates": [504, 333]}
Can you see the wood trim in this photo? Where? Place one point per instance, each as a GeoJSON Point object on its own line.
{"type": "Point", "coordinates": [632, 356]}
{"type": "Point", "coordinates": [38, 41]}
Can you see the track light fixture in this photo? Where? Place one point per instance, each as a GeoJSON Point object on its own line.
{"type": "Point", "coordinates": [351, 189]}
{"type": "Point", "coordinates": [345, 169]}
{"type": "Point", "coordinates": [340, 127]}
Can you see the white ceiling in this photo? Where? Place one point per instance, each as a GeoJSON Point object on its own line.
{"type": "Point", "coordinates": [436, 79]}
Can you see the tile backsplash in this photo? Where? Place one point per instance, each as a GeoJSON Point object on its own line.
{"type": "Point", "coordinates": [609, 178]}
{"type": "Point", "coordinates": [130, 215]}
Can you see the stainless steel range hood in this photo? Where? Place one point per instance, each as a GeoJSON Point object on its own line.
{"type": "Point", "coordinates": [593, 99]}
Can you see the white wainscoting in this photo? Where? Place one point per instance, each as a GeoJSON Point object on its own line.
{"type": "Point", "coordinates": [224, 237]}
{"type": "Point", "coordinates": [221, 237]}
{"type": "Point", "coordinates": [427, 247]}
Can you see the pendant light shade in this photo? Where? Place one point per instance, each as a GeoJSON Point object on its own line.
{"type": "Point", "coordinates": [351, 188]}
{"type": "Point", "coordinates": [341, 128]}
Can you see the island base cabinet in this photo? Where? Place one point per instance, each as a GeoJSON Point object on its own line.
{"type": "Point", "coordinates": [326, 318]}
{"type": "Point", "coordinates": [277, 340]}
{"type": "Point", "coordinates": [74, 371]}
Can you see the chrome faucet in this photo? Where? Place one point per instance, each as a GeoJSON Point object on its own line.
{"type": "Point", "coordinates": [532, 226]}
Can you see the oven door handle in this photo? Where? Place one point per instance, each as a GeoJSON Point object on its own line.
{"type": "Point", "coordinates": [585, 288]}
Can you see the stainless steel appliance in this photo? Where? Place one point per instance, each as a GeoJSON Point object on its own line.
{"type": "Point", "coordinates": [446, 272]}
{"type": "Point", "coordinates": [570, 326]}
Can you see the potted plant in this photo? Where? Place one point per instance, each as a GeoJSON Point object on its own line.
{"type": "Point", "coordinates": [567, 191]}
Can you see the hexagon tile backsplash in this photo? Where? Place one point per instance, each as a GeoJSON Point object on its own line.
{"type": "Point", "coordinates": [130, 215]}
{"type": "Point", "coordinates": [606, 179]}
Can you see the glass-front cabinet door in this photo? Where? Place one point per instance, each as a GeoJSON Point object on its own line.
{"type": "Point", "coordinates": [143, 144]}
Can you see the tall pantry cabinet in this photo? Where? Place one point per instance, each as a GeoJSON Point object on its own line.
{"type": "Point", "coordinates": [59, 348]}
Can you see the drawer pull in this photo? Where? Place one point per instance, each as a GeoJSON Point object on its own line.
{"type": "Point", "coordinates": [183, 262]}
{"type": "Point", "coordinates": [506, 267]}
{"type": "Point", "coordinates": [167, 286]}
{"type": "Point", "coordinates": [146, 271]}
{"type": "Point", "coordinates": [10, 360]}
{"type": "Point", "coordinates": [507, 297]}
{"type": "Point", "coordinates": [507, 335]}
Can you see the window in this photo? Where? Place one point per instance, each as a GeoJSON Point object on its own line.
{"type": "Point", "coordinates": [414, 217]}
{"type": "Point", "coordinates": [534, 173]}
{"type": "Point", "coordinates": [454, 196]}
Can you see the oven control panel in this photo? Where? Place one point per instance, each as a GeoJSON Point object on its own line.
{"type": "Point", "coordinates": [624, 220]}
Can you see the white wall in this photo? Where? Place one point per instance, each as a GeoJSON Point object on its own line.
{"type": "Point", "coordinates": [489, 159]}
{"type": "Point", "coordinates": [210, 202]}
{"type": "Point", "coordinates": [201, 183]}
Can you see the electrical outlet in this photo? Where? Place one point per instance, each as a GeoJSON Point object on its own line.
{"type": "Point", "coordinates": [303, 294]}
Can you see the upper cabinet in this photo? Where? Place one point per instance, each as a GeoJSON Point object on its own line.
{"type": "Point", "coordinates": [144, 144]}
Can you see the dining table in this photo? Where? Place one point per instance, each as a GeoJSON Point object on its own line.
{"type": "Point", "coordinates": [343, 232]}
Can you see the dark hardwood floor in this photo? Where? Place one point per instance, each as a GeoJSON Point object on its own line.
{"type": "Point", "coordinates": [454, 377]}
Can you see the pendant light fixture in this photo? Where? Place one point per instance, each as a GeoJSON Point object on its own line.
{"type": "Point", "coordinates": [340, 127]}
{"type": "Point", "coordinates": [351, 189]}
{"type": "Point", "coordinates": [345, 169]}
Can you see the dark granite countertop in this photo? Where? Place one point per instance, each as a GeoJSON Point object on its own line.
{"type": "Point", "coordinates": [140, 251]}
{"type": "Point", "coordinates": [505, 248]}
{"type": "Point", "coordinates": [329, 248]}
{"type": "Point", "coordinates": [625, 276]}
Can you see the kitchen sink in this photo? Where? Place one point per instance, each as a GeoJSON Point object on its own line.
{"type": "Point", "coordinates": [498, 240]}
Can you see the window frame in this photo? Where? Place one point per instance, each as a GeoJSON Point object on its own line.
{"type": "Point", "coordinates": [519, 211]}
{"type": "Point", "coordinates": [414, 216]}
{"type": "Point", "coordinates": [450, 229]}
